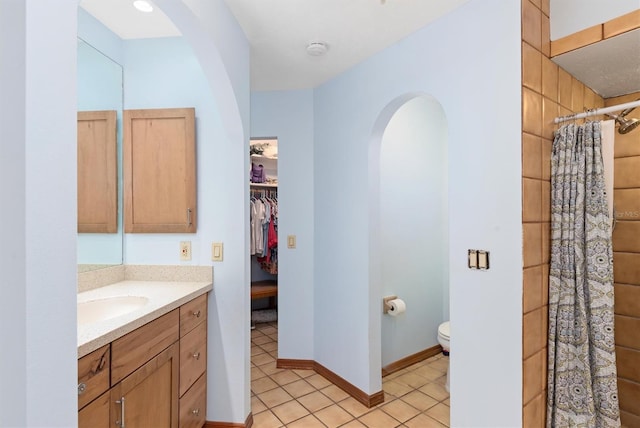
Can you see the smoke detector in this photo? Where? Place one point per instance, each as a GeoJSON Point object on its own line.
{"type": "Point", "coordinates": [317, 48]}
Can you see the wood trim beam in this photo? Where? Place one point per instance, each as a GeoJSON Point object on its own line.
{"type": "Point", "coordinates": [577, 40]}
{"type": "Point", "coordinates": [597, 33]}
{"type": "Point", "coordinates": [622, 24]}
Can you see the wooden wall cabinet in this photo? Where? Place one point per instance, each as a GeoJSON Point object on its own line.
{"type": "Point", "coordinates": [160, 171]}
{"type": "Point", "coordinates": [97, 172]}
{"type": "Point", "coordinates": [154, 376]}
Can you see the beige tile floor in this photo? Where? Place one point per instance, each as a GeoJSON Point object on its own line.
{"type": "Point", "coordinates": [415, 397]}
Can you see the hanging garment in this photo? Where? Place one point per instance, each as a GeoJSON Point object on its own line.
{"type": "Point", "coordinates": [269, 260]}
{"type": "Point", "coordinates": [252, 225]}
{"type": "Point", "coordinates": [582, 378]}
{"type": "Point", "coordinates": [258, 234]}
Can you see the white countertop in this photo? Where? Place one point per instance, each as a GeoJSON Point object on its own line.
{"type": "Point", "coordinates": [164, 296]}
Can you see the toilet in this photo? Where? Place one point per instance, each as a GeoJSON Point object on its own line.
{"type": "Point", "coordinates": [443, 340]}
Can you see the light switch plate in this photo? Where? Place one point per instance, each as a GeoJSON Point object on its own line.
{"type": "Point", "coordinates": [217, 252]}
{"type": "Point", "coordinates": [472, 259]}
{"type": "Point", "coordinates": [483, 259]}
{"type": "Point", "coordinates": [291, 241]}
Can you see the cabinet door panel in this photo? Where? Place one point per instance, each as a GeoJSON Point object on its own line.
{"type": "Point", "coordinates": [96, 414]}
{"type": "Point", "coordinates": [150, 394]}
{"type": "Point", "coordinates": [97, 172]}
{"type": "Point", "coordinates": [160, 170]}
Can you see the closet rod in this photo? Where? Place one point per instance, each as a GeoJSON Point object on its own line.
{"type": "Point", "coordinates": [597, 111]}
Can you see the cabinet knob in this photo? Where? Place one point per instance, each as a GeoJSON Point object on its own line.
{"type": "Point", "coordinates": [196, 412]}
{"type": "Point", "coordinates": [196, 313]}
{"type": "Point", "coordinates": [82, 387]}
{"type": "Point", "coordinates": [196, 355]}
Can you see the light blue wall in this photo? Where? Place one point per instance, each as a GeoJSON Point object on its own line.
{"type": "Point", "coordinates": [223, 53]}
{"type": "Point", "coordinates": [191, 72]}
{"type": "Point", "coordinates": [93, 32]}
{"type": "Point", "coordinates": [164, 73]}
{"type": "Point", "coordinates": [289, 116]}
{"type": "Point", "coordinates": [100, 84]}
{"type": "Point", "coordinates": [413, 226]}
{"type": "Point", "coordinates": [38, 366]}
{"type": "Point", "coordinates": [475, 75]}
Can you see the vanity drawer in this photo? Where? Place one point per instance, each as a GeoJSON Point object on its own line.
{"type": "Point", "coordinates": [193, 356]}
{"type": "Point", "coordinates": [136, 348]}
{"type": "Point", "coordinates": [193, 405]}
{"type": "Point", "coordinates": [93, 375]}
{"type": "Point", "coordinates": [192, 313]}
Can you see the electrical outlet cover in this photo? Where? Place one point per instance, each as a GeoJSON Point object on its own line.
{"type": "Point", "coordinates": [185, 251]}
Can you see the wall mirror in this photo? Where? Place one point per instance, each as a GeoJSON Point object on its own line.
{"type": "Point", "coordinates": [100, 91]}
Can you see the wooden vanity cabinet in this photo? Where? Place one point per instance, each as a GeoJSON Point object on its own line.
{"type": "Point", "coordinates": [159, 171]}
{"type": "Point", "coordinates": [159, 369]}
{"type": "Point", "coordinates": [193, 362]}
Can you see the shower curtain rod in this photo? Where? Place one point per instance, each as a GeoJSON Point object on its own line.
{"type": "Point", "coordinates": [597, 111]}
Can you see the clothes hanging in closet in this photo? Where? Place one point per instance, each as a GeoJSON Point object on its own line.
{"type": "Point", "coordinates": [264, 229]}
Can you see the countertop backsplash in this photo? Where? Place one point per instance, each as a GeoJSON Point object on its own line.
{"type": "Point", "coordinates": [110, 275]}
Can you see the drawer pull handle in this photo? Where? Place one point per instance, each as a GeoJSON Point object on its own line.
{"type": "Point", "coordinates": [82, 387]}
{"type": "Point", "coordinates": [120, 423]}
{"type": "Point", "coordinates": [196, 355]}
{"type": "Point", "coordinates": [196, 412]}
{"type": "Point", "coordinates": [196, 313]}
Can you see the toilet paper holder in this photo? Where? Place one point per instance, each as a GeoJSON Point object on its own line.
{"type": "Point", "coordinates": [385, 303]}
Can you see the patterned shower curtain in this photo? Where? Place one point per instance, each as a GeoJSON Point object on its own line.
{"type": "Point", "coordinates": [582, 386]}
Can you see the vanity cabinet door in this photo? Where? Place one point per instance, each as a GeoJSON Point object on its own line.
{"type": "Point", "coordinates": [96, 414]}
{"type": "Point", "coordinates": [149, 396]}
{"type": "Point", "coordinates": [160, 171]}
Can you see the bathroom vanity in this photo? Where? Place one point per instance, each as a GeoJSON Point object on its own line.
{"type": "Point", "coordinates": [146, 366]}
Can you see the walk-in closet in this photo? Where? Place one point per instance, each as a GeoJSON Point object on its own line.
{"type": "Point", "coordinates": [263, 209]}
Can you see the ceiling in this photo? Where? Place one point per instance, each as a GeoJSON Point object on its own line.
{"type": "Point", "coordinates": [280, 30]}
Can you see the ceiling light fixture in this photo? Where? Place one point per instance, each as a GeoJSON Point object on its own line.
{"type": "Point", "coordinates": [317, 48]}
{"type": "Point", "coordinates": [143, 6]}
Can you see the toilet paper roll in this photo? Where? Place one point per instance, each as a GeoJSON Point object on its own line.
{"type": "Point", "coordinates": [396, 307]}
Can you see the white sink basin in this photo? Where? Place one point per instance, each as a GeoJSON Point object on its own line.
{"type": "Point", "coordinates": [110, 307]}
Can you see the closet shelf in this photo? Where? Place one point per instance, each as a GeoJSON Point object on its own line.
{"type": "Point", "coordinates": [264, 185]}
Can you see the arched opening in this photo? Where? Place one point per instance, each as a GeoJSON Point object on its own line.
{"type": "Point", "coordinates": [409, 243]}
